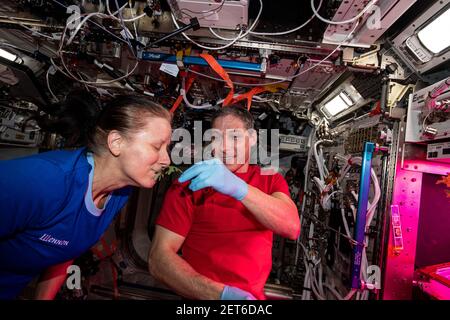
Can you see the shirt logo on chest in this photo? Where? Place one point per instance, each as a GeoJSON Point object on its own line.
{"type": "Point", "coordinates": [48, 238]}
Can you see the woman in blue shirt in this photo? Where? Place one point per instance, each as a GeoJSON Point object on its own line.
{"type": "Point", "coordinates": [56, 205]}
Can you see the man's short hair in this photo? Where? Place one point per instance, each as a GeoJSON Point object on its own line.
{"type": "Point", "coordinates": [237, 111]}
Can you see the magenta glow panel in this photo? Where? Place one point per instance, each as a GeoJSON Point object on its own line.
{"type": "Point", "coordinates": [406, 205]}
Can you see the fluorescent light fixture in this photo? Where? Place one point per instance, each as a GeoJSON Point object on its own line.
{"type": "Point", "coordinates": [7, 55]}
{"type": "Point", "coordinates": [338, 104]}
{"type": "Point", "coordinates": [435, 35]}
{"type": "Point", "coordinates": [344, 96]}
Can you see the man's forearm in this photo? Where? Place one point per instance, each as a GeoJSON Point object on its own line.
{"type": "Point", "coordinates": [175, 272]}
{"type": "Point", "coordinates": [51, 281]}
{"type": "Point", "coordinates": [276, 214]}
{"type": "Point", "coordinates": [47, 289]}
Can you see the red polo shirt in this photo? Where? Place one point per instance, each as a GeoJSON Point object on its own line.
{"type": "Point", "coordinates": [223, 241]}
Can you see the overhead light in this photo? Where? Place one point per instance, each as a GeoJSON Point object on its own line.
{"type": "Point", "coordinates": [344, 96]}
{"type": "Point", "coordinates": [337, 105]}
{"type": "Point", "coordinates": [8, 55]}
{"type": "Point", "coordinates": [433, 36]}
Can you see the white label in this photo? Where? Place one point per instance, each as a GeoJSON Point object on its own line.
{"type": "Point", "coordinates": [171, 69]}
{"type": "Point", "coordinates": [125, 33]}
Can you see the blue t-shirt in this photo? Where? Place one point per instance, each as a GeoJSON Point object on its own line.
{"type": "Point", "coordinates": [47, 215]}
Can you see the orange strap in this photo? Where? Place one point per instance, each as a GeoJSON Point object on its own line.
{"type": "Point", "coordinates": [249, 96]}
{"type": "Point", "coordinates": [176, 104]}
{"type": "Point", "coordinates": [256, 90]}
{"type": "Point", "coordinates": [222, 73]}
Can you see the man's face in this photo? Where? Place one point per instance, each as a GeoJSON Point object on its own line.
{"type": "Point", "coordinates": [233, 143]}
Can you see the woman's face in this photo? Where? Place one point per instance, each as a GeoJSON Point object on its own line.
{"type": "Point", "coordinates": [144, 153]}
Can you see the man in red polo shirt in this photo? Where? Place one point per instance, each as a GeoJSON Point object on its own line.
{"type": "Point", "coordinates": [222, 213]}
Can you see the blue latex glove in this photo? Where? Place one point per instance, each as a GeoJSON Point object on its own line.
{"type": "Point", "coordinates": [233, 293]}
{"type": "Point", "coordinates": [213, 173]}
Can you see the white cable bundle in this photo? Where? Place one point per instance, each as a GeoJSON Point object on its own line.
{"type": "Point", "coordinates": [310, 281]}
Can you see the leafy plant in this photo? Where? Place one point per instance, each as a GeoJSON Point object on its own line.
{"type": "Point", "coordinates": [446, 181]}
{"type": "Point", "coordinates": [168, 171]}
